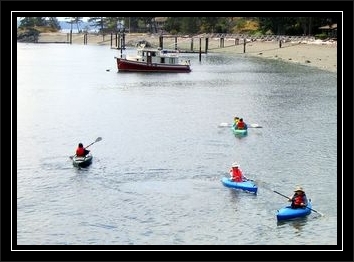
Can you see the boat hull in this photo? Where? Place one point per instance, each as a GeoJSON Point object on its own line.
{"type": "Point", "coordinates": [287, 212]}
{"type": "Point", "coordinates": [79, 161]}
{"type": "Point", "coordinates": [239, 132]}
{"type": "Point", "coordinates": [245, 185]}
{"type": "Point", "coordinates": [126, 65]}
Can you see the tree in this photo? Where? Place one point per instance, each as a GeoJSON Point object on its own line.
{"type": "Point", "coordinates": [27, 22]}
{"type": "Point", "coordinates": [42, 23]}
{"type": "Point", "coordinates": [53, 23]}
{"type": "Point", "coordinates": [75, 20]}
{"type": "Point", "coordinates": [189, 25]}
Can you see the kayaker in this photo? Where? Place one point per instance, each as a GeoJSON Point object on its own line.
{"type": "Point", "coordinates": [236, 118]}
{"type": "Point", "coordinates": [299, 198]}
{"type": "Point", "coordinates": [236, 173]}
{"type": "Point", "coordinates": [81, 151]}
{"type": "Point", "coordinates": [241, 124]}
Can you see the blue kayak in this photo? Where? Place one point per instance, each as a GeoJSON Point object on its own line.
{"type": "Point", "coordinates": [291, 213]}
{"type": "Point", "coordinates": [245, 185]}
{"type": "Point", "coordinates": [238, 132]}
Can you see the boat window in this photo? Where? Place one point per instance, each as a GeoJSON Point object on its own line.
{"type": "Point", "coordinates": [162, 60]}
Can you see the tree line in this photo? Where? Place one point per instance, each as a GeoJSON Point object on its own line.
{"type": "Point", "coordinates": [189, 25]}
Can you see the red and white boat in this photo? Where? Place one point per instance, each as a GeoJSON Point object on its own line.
{"type": "Point", "coordinates": [150, 59]}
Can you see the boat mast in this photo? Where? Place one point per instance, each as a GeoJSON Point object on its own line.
{"type": "Point", "coordinates": [121, 28]}
{"type": "Point", "coordinates": [121, 44]}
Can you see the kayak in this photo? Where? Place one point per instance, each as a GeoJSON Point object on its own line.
{"type": "Point", "coordinates": [290, 213]}
{"type": "Point", "coordinates": [82, 161]}
{"type": "Point", "coordinates": [247, 185]}
{"type": "Point", "coordinates": [238, 132]}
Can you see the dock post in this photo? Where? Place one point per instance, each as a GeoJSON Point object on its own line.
{"type": "Point", "coordinates": [206, 44]}
{"type": "Point", "coordinates": [118, 40]}
{"type": "Point", "coordinates": [221, 42]}
{"type": "Point", "coordinates": [121, 48]}
{"type": "Point", "coordinates": [200, 49]}
{"type": "Point", "coordinates": [123, 43]}
{"type": "Point", "coordinates": [192, 44]}
{"type": "Point", "coordinates": [161, 41]}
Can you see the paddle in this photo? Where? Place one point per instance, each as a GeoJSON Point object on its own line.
{"type": "Point", "coordinates": [254, 126]}
{"type": "Point", "coordinates": [306, 206]}
{"type": "Point", "coordinates": [248, 125]}
{"type": "Point", "coordinates": [97, 140]}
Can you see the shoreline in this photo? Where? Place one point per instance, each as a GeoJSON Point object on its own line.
{"type": "Point", "coordinates": [318, 54]}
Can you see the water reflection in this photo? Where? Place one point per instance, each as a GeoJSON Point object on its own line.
{"type": "Point", "coordinates": [297, 223]}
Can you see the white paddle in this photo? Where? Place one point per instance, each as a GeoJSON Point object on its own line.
{"type": "Point", "coordinates": [248, 125]}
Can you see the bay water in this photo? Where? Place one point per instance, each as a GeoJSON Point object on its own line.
{"type": "Point", "coordinates": [155, 176]}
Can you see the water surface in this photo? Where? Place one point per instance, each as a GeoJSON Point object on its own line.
{"type": "Point", "coordinates": [155, 177]}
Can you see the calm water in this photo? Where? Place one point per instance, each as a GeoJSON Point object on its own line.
{"type": "Point", "coordinates": [155, 177]}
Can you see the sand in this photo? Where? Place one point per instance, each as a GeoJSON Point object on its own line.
{"type": "Point", "coordinates": [315, 53]}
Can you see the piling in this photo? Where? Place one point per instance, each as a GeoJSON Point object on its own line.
{"type": "Point", "coordinates": [71, 37]}
{"type": "Point", "coordinates": [161, 41]}
{"type": "Point", "coordinates": [222, 43]}
{"type": "Point", "coordinates": [200, 49]}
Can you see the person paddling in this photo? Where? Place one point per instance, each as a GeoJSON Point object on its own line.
{"type": "Point", "coordinates": [81, 151]}
{"type": "Point", "coordinates": [241, 124]}
{"type": "Point", "coordinates": [236, 173]}
{"type": "Point", "coordinates": [299, 199]}
{"type": "Point", "coordinates": [236, 119]}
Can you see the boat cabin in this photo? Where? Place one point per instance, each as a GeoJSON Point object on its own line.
{"type": "Point", "coordinates": [160, 56]}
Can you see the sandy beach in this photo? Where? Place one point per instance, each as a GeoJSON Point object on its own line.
{"type": "Point", "coordinates": [319, 54]}
{"type": "Point", "coordinates": [316, 54]}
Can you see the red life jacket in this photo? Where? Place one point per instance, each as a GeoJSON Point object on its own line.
{"type": "Point", "coordinates": [236, 174]}
{"type": "Point", "coordinates": [241, 125]}
{"type": "Point", "coordinates": [80, 151]}
{"type": "Point", "coordinates": [298, 199]}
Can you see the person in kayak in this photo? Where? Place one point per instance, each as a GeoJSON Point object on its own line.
{"type": "Point", "coordinates": [236, 173]}
{"type": "Point", "coordinates": [299, 199]}
{"type": "Point", "coordinates": [241, 124]}
{"type": "Point", "coordinates": [236, 119]}
{"type": "Point", "coordinates": [81, 151]}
